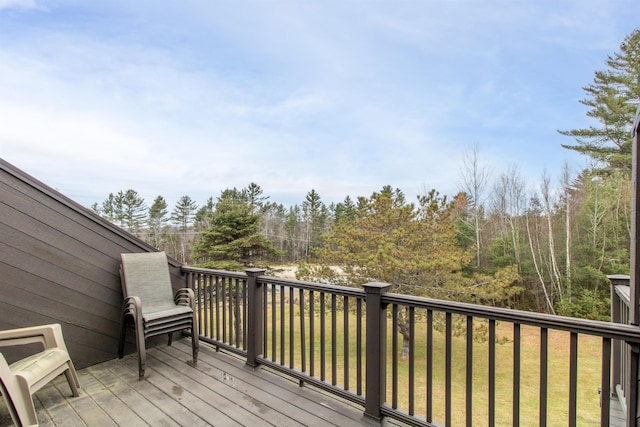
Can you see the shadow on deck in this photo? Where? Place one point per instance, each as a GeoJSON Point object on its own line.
{"type": "Point", "coordinates": [220, 391]}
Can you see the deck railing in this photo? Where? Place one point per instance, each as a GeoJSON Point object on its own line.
{"type": "Point", "coordinates": [622, 356]}
{"type": "Point", "coordinates": [418, 360]}
{"type": "Point", "coordinates": [222, 304]}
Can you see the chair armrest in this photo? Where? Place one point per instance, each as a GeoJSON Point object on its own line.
{"type": "Point", "coordinates": [132, 306]}
{"type": "Point", "coordinates": [50, 336]}
{"type": "Point", "coordinates": [6, 375]}
{"type": "Point", "coordinates": [185, 296]}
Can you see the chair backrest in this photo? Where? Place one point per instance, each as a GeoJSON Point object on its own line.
{"type": "Point", "coordinates": [146, 275]}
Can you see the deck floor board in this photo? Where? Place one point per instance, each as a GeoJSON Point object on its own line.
{"type": "Point", "coordinates": [220, 391]}
{"type": "Point", "coordinates": [617, 415]}
{"type": "Point", "coordinates": [266, 390]}
{"type": "Point", "coordinates": [231, 395]}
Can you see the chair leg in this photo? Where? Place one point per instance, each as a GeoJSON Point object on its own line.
{"type": "Point", "coordinates": [195, 341]}
{"type": "Point", "coordinates": [142, 357]}
{"type": "Point", "coordinates": [27, 414]}
{"type": "Point", "coordinates": [13, 411]}
{"type": "Point", "coordinates": [170, 338]}
{"type": "Point", "coordinates": [123, 336]}
{"type": "Point", "coordinates": [194, 345]}
{"type": "Point", "coordinates": [72, 379]}
{"type": "Point", "coordinates": [24, 408]}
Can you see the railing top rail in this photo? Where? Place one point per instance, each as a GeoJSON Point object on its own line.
{"type": "Point", "coordinates": [301, 284]}
{"type": "Point", "coordinates": [618, 277]}
{"type": "Point", "coordinates": [628, 333]}
{"type": "Point", "coordinates": [624, 292]}
{"type": "Point", "coordinates": [313, 286]}
{"type": "Point", "coordinates": [211, 272]}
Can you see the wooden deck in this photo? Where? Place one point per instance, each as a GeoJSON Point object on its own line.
{"type": "Point", "coordinates": [616, 418]}
{"type": "Point", "coordinates": [219, 391]}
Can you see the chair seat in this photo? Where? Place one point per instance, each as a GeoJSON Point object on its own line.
{"type": "Point", "coordinates": [175, 311]}
{"type": "Point", "coordinates": [37, 366]}
{"type": "Point", "coordinates": [166, 325]}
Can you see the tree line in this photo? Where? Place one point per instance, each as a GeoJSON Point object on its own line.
{"type": "Point", "coordinates": [270, 232]}
{"type": "Point", "coordinates": [546, 246]}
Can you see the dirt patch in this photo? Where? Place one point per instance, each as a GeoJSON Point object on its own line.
{"type": "Point", "coordinates": [285, 271]}
{"type": "Point", "coordinates": [289, 271]}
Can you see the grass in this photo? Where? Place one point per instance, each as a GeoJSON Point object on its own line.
{"type": "Point", "coordinates": [589, 365]}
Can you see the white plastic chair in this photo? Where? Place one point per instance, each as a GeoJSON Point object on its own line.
{"type": "Point", "coordinates": [20, 380]}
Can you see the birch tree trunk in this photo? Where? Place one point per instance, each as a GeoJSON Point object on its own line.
{"type": "Point", "coordinates": [474, 179]}
{"type": "Point", "coordinates": [548, 202]}
{"type": "Point", "coordinates": [566, 186]}
{"type": "Point", "coordinates": [537, 268]}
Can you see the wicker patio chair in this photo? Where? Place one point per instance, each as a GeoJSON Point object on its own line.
{"type": "Point", "coordinates": [150, 305]}
{"type": "Point", "coordinates": [21, 379]}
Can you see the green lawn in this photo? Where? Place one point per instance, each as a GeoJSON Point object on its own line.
{"type": "Point", "coordinates": [589, 367]}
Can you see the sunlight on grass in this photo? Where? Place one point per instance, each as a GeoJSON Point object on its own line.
{"type": "Point", "coordinates": [589, 363]}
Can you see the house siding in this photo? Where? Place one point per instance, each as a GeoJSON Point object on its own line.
{"type": "Point", "coordinates": [59, 263]}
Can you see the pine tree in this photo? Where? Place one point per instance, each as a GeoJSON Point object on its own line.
{"type": "Point", "coordinates": [157, 221]}
{"type": "Point", "coordinates": [182, 215]}
{"type": "Point", "coordinates": [314, 213]}
{"type": "Point", "coordinates": [255, 198]}
{"type": "Point", "coordinates": [345, 210]}
{"type": "Point", "coordinates": [413, 247]}
{"type": "Point", "coordinates": [112, 208]}
{"type": "Point", "coordinates": [293, 227]}
{"type": "Point", "coordinates": [233, 240]}
{"type": "Point", "coordinates": [133, 210]}
{"type": "Point", "coordinates": [203, 215]}
{"type": "Point", "coordinates": [612, 99]}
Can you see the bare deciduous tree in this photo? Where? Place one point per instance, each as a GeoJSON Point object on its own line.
{"type": "Point", "coordinates": [474, 182]}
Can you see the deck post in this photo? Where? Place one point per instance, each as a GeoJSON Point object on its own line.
{"type": "Point", "coordinates": [617, 317]}
{"type": "Point", "coordinates": [633, 352]}
{"type": "Point", "coordinates": [254, 316]}
{"type": "Point", "coordinates": [634, 306]}
{"type": "Point", "coordinates": [376, 347]}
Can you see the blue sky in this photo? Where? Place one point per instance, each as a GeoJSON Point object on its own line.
{"type": "Point", "coordinates": [340, 96]}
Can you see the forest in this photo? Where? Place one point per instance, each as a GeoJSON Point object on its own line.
{"type": "Point", "coordinates": [546, 246]}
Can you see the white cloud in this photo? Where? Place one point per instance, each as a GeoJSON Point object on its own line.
{"type": "Point", "coordinates": [73, 135]}
{"type": "Point", "coordinates": [341, 97]}
{"type": "Point", "coordinates": [17, 4]}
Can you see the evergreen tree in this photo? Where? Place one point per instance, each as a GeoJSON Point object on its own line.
{"type": "Point", "coordinates": [182, 215]}
{"type": "Point", "coordinates": [412, 247]}
{"type": "Point", "coordinates": [133, 210]}
{"type": "Point", "coordinates": [314, 213]}
{"type": "Point", "coordinates": [612, 99]}
{"type": "Point", "coordinates": [233, 240]}
{"type": "Point", "coordinates": [112, 208]}
{"type": "Point", "coordinates": [345, 210]}
{"type": "Point", "coordinates": [157, 221]}
{"type": "Point", "coordinates": [255, 198]}
{"type": "Point", "coordinates": [96, 208]}
{"type": "Point", "coordinates": [203, 215]}
{"type": "Point", "coordinates": [464, 220]}
{"type": "Point", "coordinates": [296, 242]}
